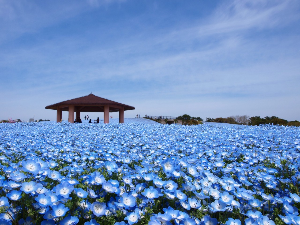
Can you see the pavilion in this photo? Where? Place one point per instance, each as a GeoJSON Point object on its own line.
{"type": "Point", "coordinates": [89, 103]}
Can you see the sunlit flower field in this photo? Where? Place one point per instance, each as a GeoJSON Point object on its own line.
{"type": "Point", "coordinates": [147, 173]}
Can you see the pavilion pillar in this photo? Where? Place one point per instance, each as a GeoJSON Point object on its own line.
{"type": "Point", "coordinates": [77, 115]}
{"type": "Point", "coordinates": [71, 114]}
{"type": "Point", "coordinates": [106, 114]}
{"type": "Point", "coordinates": [58, 115]}
{"type": "Point", "coordinates": [121, 115]}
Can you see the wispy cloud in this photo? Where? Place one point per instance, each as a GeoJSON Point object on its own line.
{"type": "Point", "coordinates": [238, 52]}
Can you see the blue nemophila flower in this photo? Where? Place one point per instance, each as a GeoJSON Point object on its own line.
{"type": "Point", "coordinates": [159, 183]}
{"type": "Point", "coordinates": [80, 192]}
{"type": "Point", "coordinates": [254, 214]}
{"type": "Point", "coordinates": [185, 205]}
{"type": "Point", "coordinates": [127, 180]}
{"type": "Point", "coordinates": [226, 198]}
{"type": "Point", "coordinates": [170, 185]}
{"type": "Point", "coordinates": [14, 195]}
{"type": "Point", "coordinates": [217, 206]}
{"type": "Point", "coordinates": [189, 221]}
{"type": "Point", "coordinates": [17, 176]}
{"type": "Point", "coordinates": [148, 176]}
{"type": "Point", "coordinates": [207, 220]}
{"type": "Point", "coordinates": [31, 166]}
{"type": "Point", "coordinates": [192, 170]}
{"type": "Point", "coordinates": [250, 221]}
{"type": "Point", "coordinates": [4, 202]}
{"type": "Point", "coordinates": [91, 222]}
{"type": "Point", "coordinates": [194, 203]}
{"type": "Point", "coordinates": [5, 222]}
{"type": "Point", "coordinates": [29, 187]}
{"type": "Point", "coordinates": [64, 189]}
{"type": "Point", "coordinates": [98, 208]}
{"type": "Point", "coordinates": [13, 184]}
{"type": "Point", "coordinates": [133, 217]}
{"type": "Point", "coordinates": [164, 218]}
{"type": "Point", "coordinates": [168, 166]}
{"type": "Point", "coordinates": [111, 166]}
{"type": "Point", "coordinates": [151, 193]}
{"type": "Point", "coordinates": [97, 178]}
{"type": "Point", "coordinates": [295, 197]}
{"type": "Point", "coordinates": [180, 195]}
{"type": "Point", "coordinates": [128, 200]}
{"type": "Point", "coordinates": [232, 221]}
{"type": "Point", "coordinates": [69, 220]}
{"type": "Point", "coordinates": [264, 220]}
{"type": "Point", "coordinates": [54, 175]}
{"type": "Point", "coordinates": [92, 193]}
{"type": "Point", "coordinates": [43, 200]}
{"type": "Point", "coordinates": [172, 212]}
{"type": "Point", "coordinates": [109, 187]}
{"type": "Point", "coordinates": [59, 210]}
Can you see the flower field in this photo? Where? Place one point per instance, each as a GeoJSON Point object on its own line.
{"type": "Point", "coordinates": [139, 173]}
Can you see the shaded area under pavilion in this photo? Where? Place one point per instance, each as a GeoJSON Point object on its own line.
{"type": "Point", "coordinates": [89, 103]}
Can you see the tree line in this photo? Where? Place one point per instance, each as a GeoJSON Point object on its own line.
{"type": "Point", "coordinates": [254, 120]}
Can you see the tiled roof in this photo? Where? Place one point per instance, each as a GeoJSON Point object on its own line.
{"type": "Point", "coordinates": [90, 101]}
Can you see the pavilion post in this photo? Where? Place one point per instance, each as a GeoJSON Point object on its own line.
{"type": "Point", "coordinates": [106, 114]}
{"type": "Point", "coordinates": [121, 115]}
{"type": "Point", "coordinates": [58, 115]}
{"type": "Point", "coordinates": [77, 115]}
{"type": "Point", "coordinates": [71, 114]}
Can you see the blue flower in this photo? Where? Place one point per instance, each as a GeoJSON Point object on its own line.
{"type": "Point", "coordinates": [194, 203]}
{"type": "Point", "coordinates": [80, 192]}
{"type": "Point", "coordinates": [91, 222]}
{"type": "Point", "coordinates": [59, 210]}
{"type": "Point", "coordinates": [14, 195]}
{"type": "Point", "coordinates": [64, 189]}
{"type": "Point", "coordinates": [151, 193]}
{"type": "Point", "coordinates": [69, 220]}
{"type": "Point", "coordinates": [218, 206]}
{"type": "Point", "coordinates": [172, 212]}
{"type": "Point", "coordinates": [226, 198]}
{"type": "Point", "coordinates": [4, 202]}
{"type": "Point", "coordinates": [170, 185]}
{"type": "Point", "coordinates": [43, 200]}
{"type": "Point", "coordinates": [295, 197]}
{"type": "Point", "coordinates": [254, 214]}
{"type": "Point", "coordinates": [250, 221]}
{"type": "Point", "coordinates": [180, 195]}
{"type": "Point", "coordinates": [231, 221]}
{"type": "Point", "coordinates": [207, 220]}
{"type": "Point", "coordinates": [111, 166]}
{"type": "Point", "coordinates": [97, 178]}
{"type": "Point", "coordinates": [168, 166]}
{"type": "Point", "coordinates": [28, 187]}
{"type": "Point", "coordinates": [109, 187]}
{"type": "Point", "coordinates": [189, 221]}
{"type": "Point", "coordinates": [99, 209]}
{"type": "Point", "coordinates": [54, 175]}
{"type": "Point", "coordinates": [132, 217]}
{"type": "Point", "coordinates": [264, 220]}
{"type": "Point", "coordinates": [31, 166]}
{"type": "Point", "coordinates": [128, 200]}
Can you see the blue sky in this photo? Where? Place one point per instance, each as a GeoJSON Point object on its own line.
{"type": "Point", "coordinates": [164, 57]}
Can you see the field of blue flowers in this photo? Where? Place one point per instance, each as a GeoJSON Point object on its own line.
{"type": "Point", "coordinates": [139, 173]}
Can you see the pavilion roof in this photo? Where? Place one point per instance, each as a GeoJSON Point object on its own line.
{"type": "Point", "coordinates": [90, 103]}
